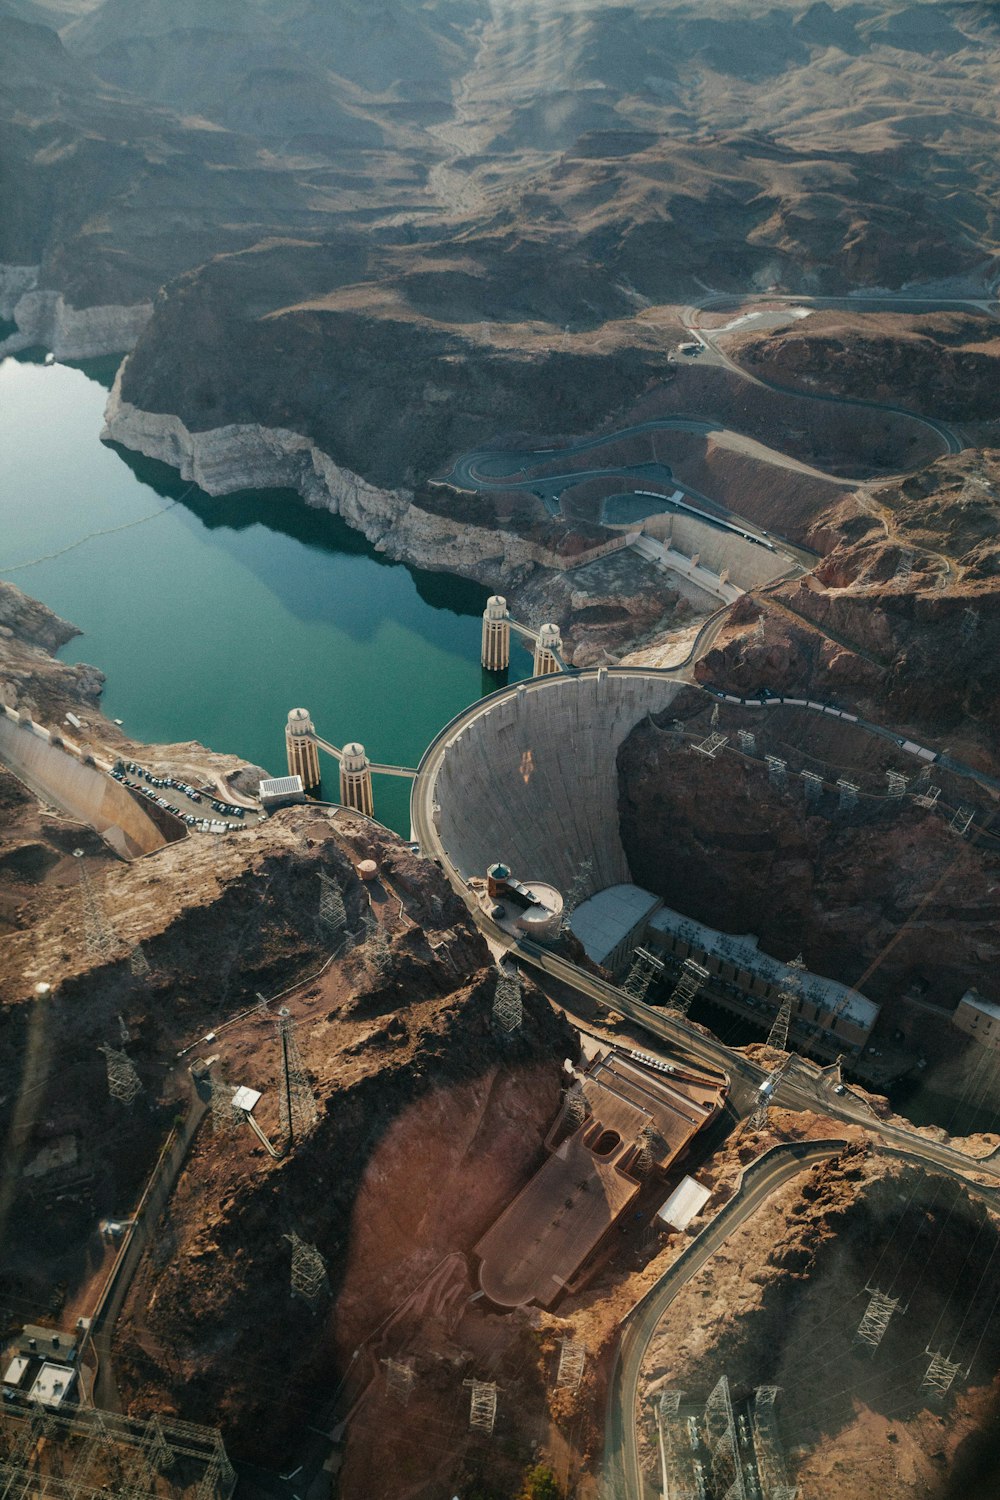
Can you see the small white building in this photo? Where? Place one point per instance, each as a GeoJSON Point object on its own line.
{"type": "Point", "coordinates": [684, 1204]}
{"type": "Point", "coordinates": [281, 791]}
{"type": "Point", "coordinates": [53, 1384]}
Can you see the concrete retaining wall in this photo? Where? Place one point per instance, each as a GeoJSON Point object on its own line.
{"type": "Point", "coordinates": [749, 565]}
{"type": "Point", "coordinates": [533, 780]}
{"type": "Point", "coordinates": [59, 776]}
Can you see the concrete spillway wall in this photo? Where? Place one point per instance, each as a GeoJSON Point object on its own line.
{"type": "Point", "coordinates": [532, 778]}
{"type": "Point", "coordinates": [58, 775]}
{"type": "Point", "coordinates": [748, 564]}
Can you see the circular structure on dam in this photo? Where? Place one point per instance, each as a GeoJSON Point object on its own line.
{"type": "Point", "coordinates": [529, 776]}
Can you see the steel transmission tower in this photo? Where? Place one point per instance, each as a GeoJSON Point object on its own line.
{"type": "Point", "coordinates": [138, 963]}
{"type": "Point", "coordinates": [940, 1374]}
{"type": "Point", "coordinates": [399, 1378]}
{"type": "Point", "coordinates": [748, 741]}
{"type": "Point", "coordinates": [297, 1103]}
{"type": "Point", "coordinates": [645, 968]}
{"type": "Point", "coordinates": [576, 1104]}
{"type": "Point", "coordinates": [508, 1007]}
{"type": "Point", "coordinates": [97, 930]}
{"type": "Point", "coordinates": [572, 1358]}
{"type": "Point", "coordinates": [582, 881]}
{"type": "Point", "coordinates": [875, 1319]}
{"type": "Point", "coordinates": [777, 771]}
{"type": "Point", "coordinates": [123, 1081]}
{"type": "Point", "coordinates": [309, 1279]}
{"type": "Point", "coordinates": [483, 1405]}
{"type": "Point", "coordinates": [777, 1037]}
{"type": "Point", "coordinates": [848, 795]}
{"type": "Point", "coordinates": [690, 982]}
{"type": "Point", "coordinates": [332, 912]}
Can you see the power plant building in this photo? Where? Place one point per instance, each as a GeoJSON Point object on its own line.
{"type": "Point", "coordinates": [826, 1015]}
{"type": "Point", "coordinates": [639, 1121]}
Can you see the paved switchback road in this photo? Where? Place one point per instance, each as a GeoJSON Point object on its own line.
{"type": "Point", "coordinates": [709, 339]}
{"type": "Point", "coordinates": [761, 1180]}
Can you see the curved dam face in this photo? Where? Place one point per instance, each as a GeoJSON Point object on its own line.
{"type": "Point", "coordinates": [530, 778]}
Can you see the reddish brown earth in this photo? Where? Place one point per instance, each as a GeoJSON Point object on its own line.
{"type": "Point", "coordinates": [901, 619]}
{"type": "Point", "coordinates": [884, 898]}
{"type": "Point", "coordinates": [851, 1423]}
{"type": "Point", "coordinates": [942, 364]}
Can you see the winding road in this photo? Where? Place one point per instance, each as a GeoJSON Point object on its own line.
{"type": "Point", "coordinates": [803, 1087]}
{"type": "Point", "coordinates": [709, 339]}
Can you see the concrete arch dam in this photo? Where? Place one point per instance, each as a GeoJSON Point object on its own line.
{"type": "Point", "coordinates": [529, 776]}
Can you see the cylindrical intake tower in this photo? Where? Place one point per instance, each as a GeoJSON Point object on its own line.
{"type": "Point", "coordinates": [496, 634]}
{"type": "Point", "coordinates": [302, 750]}
{"type": "Point", "coordinates": [548, 648]}
{"type": "Point", "coordinates": [356, 780]}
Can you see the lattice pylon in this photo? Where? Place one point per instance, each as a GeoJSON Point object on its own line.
{"type": "Point", "coordinates": [748, 741]}
{"type": "Point", "coordinates": [644, 1155]}
{"type": "Point", "coordinates": [98, 933]}
{"type": "Point", "coordinates": [378, 950]}
{"type": "Point", "coordinates": [777, 1037]}
{"type": "Point", "coordinates": [160, 1452]}
{"type": "Point", "coordinates": [712, 745]}
{"type": "Point", "coordinates": [124, 1083]}
{"type": "Point", "coordinates": [970, 624]}
{"type": "Point", "coordinates": [508, 1005]}
{"type": "Point", "coordinates": [777, 771]}
{"type": "Point", "coordinates": [138, 963]}
{"type": "Point", "coordinates": [690, 982]}
{"type": "Point", "coordinates": [224, 1117]}
{"type": "Point", "coordinates": [962, 821]}
{"type": "Point", "coordinates": [572, 1358]}
{"type": "Point", "coordinates": [928, 797]}
{"type": "Point", "coordinates": [580, 885]}
{"type": "Point", "coordinates": [848, 794]}
{"type": "Point", "coordinates": [297, 1103]}
{"type": "Point", "coordinates": [308, 1275]}
{"type": "Point", "coordinates": [644, 969]}
{"type": "Point", "coordinates": [576, 1104]}
{"type": "Point", "coordinates": [399, 1379]}
{"type": "Point", "coordinates": [940, 1375]}
{"type": "Point", "coordinates": [896, 784]}
{"type": "Point", "coordinates": [875, 1318]}
{"type": "Point", "coordinates": [758, 1120]}
{"type": "Point", "coordinates": [332, 912]}
{"type": "Point", "coordinates": [482, 1406]}
{"type": "Point", "coordinates": [812, 786]}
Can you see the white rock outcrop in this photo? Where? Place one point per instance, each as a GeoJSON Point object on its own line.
{"type": "Point", "coordinates": [249, 456]}
{"type": "Point", "coordinates": [47, 319]}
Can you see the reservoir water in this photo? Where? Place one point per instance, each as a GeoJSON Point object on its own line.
{"type": "Point", "coordinates": [211, 618]}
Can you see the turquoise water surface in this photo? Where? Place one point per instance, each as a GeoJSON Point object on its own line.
{"type": "Point", "coordinates": [213, 617]}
